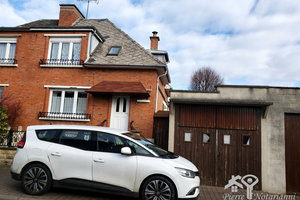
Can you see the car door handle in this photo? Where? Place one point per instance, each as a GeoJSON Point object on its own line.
{"type": "Point", "coordinates": [55, 154]}
{"type": "Point", "coordinates": [99, 160]}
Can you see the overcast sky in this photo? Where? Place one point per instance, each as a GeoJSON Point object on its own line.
{"type": "Point", "coordinates": [248, 42]}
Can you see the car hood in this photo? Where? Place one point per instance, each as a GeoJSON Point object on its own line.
{"type": "Point", "coordinates": [181, 162]}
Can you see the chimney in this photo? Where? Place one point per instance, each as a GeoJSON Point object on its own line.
{"type": "Point", "coordinates": [154, 40]}
{"type": "Point", "coordinates": [68, 14]}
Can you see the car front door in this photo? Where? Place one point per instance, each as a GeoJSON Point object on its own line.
{"type": "Point", "coordinates": [71, 157]}
{"type": "Point", "coordinates": [110, 166]}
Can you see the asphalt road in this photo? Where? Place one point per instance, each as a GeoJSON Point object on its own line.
{"type": "Point", "coordinates": [12, 190]}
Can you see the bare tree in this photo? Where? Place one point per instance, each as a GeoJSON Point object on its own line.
{"type": "Point", "coordinates": [205, 79]}
{"type": "Point", "coordinates": [13, 109]}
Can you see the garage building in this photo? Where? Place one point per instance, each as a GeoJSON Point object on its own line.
{"type": "Point", "coordinates": [240, 130]}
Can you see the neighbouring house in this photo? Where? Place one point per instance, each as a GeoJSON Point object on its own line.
{"type": "Point", "coordinates": [240, 130]}
{"type": "Point", "coordinates": [82, 71]}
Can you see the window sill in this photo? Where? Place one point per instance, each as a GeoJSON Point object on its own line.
{"type": "Point", "coordinates": [63, 119]}
{"type": "Point", "coordinates": [8, 65]}
{"type": "Point", "coordinates": [61, 66]}
{"type": "Point", "coordinates": [143, 101]}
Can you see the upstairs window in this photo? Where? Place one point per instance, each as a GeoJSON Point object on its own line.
{"type": "Point", "coordinates": [114, 51]}
{"type": "Point", "coordinates": [68, 101]}
{"type": "Point", "coordinates": [64, 51]}
{"type": "Point", "coordinates": [7, 50]}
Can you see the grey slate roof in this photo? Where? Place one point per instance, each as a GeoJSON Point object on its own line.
{"type": "Point", "coordinates": [131, 52]}
{"type": "Point", "coordinates": [41, 23]}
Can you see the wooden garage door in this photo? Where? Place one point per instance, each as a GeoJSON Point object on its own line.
{"type": "Point", "coordinates": [292, 152]}
{"type": "Point", "coordinates": [224, 141]}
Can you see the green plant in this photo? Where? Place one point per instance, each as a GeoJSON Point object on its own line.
{"type": "Point", "coordinates": [3, 119]}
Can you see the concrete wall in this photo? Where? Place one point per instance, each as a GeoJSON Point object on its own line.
{"type": "Point", "coordinates": [284, 100]}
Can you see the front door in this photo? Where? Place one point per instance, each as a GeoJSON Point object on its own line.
{"type": "Point", "coordinates": [120, 112]}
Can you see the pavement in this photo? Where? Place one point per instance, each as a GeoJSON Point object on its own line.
{"type": "Point", "coordinates": [11, 190]}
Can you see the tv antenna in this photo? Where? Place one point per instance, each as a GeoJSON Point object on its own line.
{"type": "Point", "coordinates": [88, 5]}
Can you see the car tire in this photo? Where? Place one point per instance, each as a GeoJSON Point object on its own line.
{"type": "Point", "coordinates": [36, 179]}
{"type": "Point", "coordinates": [158, 187]}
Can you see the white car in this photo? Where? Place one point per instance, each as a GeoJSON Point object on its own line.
{"type": "Point", "coordinates": [102, 159]}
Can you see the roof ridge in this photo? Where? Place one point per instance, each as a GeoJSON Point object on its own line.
{"type": "Point", "coordinates": [140, 46]}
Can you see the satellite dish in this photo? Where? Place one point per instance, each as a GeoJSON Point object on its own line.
{"type": "Point", "coordinates": [88, 5]}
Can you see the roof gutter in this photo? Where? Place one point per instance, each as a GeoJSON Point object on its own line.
{"type": "Point", "coordinates": [156, 93]}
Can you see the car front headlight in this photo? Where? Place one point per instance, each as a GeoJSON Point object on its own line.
{"type": "Point", "coordinates": [185, 172]}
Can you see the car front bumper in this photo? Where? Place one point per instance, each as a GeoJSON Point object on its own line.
{"type": "Point", "coordinates": [187, 188]}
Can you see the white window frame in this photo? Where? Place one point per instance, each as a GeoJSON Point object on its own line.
{"type": "Point", "coordinates": [63, 99]}
{"type": "Point", "coordinates": [3, 86]}
{"type": "Point", "coordinates": [8, 41]}
{"type": "Point", "coordinates": [60, 41]}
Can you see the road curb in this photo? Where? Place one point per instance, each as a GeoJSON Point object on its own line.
{"type": "Point", "coordinates": [7, 197]}
{"type": "Point", "coordinates": [10, 197]}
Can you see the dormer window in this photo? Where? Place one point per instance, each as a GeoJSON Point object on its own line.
{"type": "Point", "coordinates": [7, 50]}
{"type": "Point", "coordinates": [114, 51]}
{"type": "Point", "coordinates": [64, 51]}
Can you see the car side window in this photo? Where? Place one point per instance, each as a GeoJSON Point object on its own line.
{"type": "Point", "coordinates": [48, 135]}
{"type": "Point", "coordinates": [109, 143]}
{"type": "Point", "coordinates": [80, 139]}
{"type": "Point", "coordinates": [138, 150]}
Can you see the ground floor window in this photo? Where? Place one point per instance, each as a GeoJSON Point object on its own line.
{"type": "Point", "coordinates": [68, 101]}
{"type": "Point", "coordinates": [1, 93]}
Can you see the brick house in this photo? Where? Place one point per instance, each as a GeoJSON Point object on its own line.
{"type": "Point", "coordinates": [82, 71]}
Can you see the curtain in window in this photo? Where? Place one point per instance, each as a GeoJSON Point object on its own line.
{"type": "Point", "coordinates": [54, 51]}
{"type": "Point", "coordinates": [65, 51]}
{"type": "Point", "coordinates": [68, 102]}
{"type": "Point", "coordinates": [2, 50]}
{"type": "Point", "coordinates": [76, 51]}
{"type": "Point", "coordinates": [56, 99]}
{"type": "Point", "coordinates": [12, 51]}
{"type": "Point", "coordinates": [81, 102]}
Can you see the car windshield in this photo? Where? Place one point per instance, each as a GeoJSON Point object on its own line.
{"type": "Point", "coordinates": [142, 140]}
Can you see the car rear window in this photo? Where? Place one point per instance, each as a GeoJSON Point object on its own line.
{"type": "Point", "coordinates": [48, 135]}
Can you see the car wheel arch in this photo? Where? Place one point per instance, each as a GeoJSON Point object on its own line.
{"type": "Point", "coordinates": [37, 162]}
{"type": "Point", "coordinates": [161, 175]}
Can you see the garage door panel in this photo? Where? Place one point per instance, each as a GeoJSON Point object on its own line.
{"type": "Point", "coordinates": [227, 156]}
{"type": "Point", "coordinates": [292, 152]}
{"type": "Point", "coordinates": [200, 144]}
{"type": "Point", "coordinates": [224, 140]}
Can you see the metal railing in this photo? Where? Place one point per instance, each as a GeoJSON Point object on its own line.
{"type": "Point", "coordinates": [61, 62]}
{"type": "Point", "coordinates": [10, 138]}
{"type": "Point", "coordinates": [68, 116]}
{"type": "Point", "coordinates": [8, 61]}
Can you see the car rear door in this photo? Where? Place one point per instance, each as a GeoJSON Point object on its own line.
{"type": "Point", "coordinates": [71, 157]}
{"type": "Point", "coordinates": [110, 166]}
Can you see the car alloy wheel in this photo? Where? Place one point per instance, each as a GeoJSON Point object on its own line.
{"type": "Point", "coordinates": [158, 188]}
{"type": "Point", "coordinates": [36, 179]}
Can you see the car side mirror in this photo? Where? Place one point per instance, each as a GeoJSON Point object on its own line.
{"type": "Point", "coordinates": [126, 151]}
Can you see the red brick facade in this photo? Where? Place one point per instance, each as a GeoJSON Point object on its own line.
{"type": "Point", "coordinates": [27, 83]}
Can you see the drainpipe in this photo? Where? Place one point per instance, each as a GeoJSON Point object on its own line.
{"type": "Point", "coordinates": [157, 82]}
